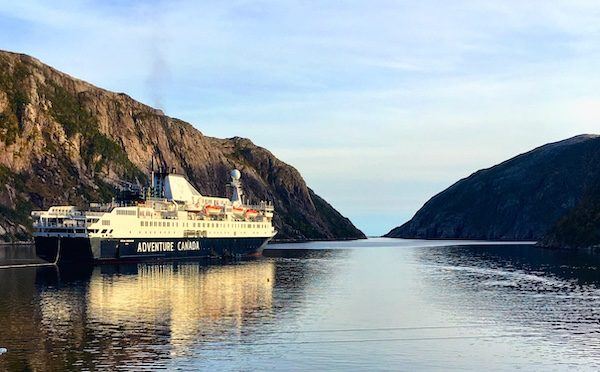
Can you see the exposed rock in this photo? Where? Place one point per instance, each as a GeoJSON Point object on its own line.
{"type": "Point", "coordinates": [519, 199]}
{"type": "Point", "coordinates": [4, 104]}
{"type": "Point", "coordinates": [63, 140]}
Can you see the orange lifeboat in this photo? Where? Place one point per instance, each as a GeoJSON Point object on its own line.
{"type": "Point", "coordinates": [251, 213]}
{"type": "Point", "coordinates": [212, 209]}
{"type": "Point", "coordinates": [238, 211]}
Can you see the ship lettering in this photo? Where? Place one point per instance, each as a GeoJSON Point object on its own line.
{"type": "Point", "coordinates": [188, 246]}
{"type": "Point", "coordinates": [144, 247]}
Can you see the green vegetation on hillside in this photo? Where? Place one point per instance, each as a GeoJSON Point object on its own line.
{"type": "Point", "coordinates": [580, 228]}
{"type": "Point", "coordinates": [19, 212]}
{"type": "Point", "coordinates": [12, 83]}
{"type": "Point", "coordinates": [97, 149]}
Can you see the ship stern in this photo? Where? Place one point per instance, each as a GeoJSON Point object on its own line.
{"type": "Point", "coordinates": [63, 249]}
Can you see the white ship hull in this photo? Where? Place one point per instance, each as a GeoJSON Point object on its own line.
{"type": "Point", "coordinates": [175, 222]}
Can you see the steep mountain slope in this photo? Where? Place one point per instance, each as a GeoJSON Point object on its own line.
{"type": "Point", "coordinates": [63, 140]}
{"type": "Point", "coordinates": [580, 228]}
{"type": "Point", "coordinates": [519, 199]}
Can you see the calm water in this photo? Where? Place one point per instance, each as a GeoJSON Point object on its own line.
{"type": "Point", "coordinates": [378, 304]}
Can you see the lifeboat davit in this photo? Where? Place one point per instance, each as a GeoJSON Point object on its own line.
{"type": "Point", "coordinates": [238, 211]}
{"type": "Point", "coordinates": [194, 208]}
{"type": "Point", "coordinates": [212, 209]}
{"type": "Point", "coordinates": [251, 213]}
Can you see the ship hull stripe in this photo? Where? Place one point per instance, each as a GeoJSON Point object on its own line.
{"type": "Point", "coordinates": [106, 250]}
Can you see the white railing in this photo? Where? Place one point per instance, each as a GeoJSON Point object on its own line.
{"type": "Point", "coordinates": [262, 206]}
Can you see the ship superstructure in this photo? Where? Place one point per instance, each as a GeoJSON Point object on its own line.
{"type": "Point", "coordinates": [171, 219]}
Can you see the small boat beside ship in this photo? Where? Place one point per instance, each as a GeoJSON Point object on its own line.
{"type": "Point", "coordinates": [170, 219]}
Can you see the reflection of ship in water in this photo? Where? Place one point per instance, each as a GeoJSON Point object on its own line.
{"type": "Point", "coordinates": [189, 300]}
{"type": "Point", "coordinates": [138, 313]}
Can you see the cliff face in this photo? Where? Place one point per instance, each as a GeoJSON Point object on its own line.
{"type": "Point", "coordinates": [580, 227]}
{"type": "Point", "coordinates": [520, 199]}
{"type": "Point", "coordinates": [63, 140]}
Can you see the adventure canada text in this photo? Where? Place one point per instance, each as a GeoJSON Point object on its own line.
{"type": "Point", "coordinates": [143, 247]}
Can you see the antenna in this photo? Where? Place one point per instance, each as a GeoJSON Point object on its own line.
{"type": "Point", "coordinates": [152, 175]}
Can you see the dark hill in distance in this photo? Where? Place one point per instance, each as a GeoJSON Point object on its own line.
{"type": "Point", "coordinates": [544, 192]}
{"type": "Point", "coordinates": [64, 141]}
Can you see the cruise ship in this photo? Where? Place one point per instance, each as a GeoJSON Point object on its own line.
{"type": "Point", "coordinates": [169, 219]}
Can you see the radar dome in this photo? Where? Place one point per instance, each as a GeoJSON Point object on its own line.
{"type": "Point", "coordinates": [235, 174]}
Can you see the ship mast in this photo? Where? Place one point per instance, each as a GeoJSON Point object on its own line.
{"type": "Point", "coordinates": [236, 198]}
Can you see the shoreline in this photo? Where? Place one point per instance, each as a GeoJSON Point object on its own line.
{"type": "Point", "coordinates": [8, 244]}
{"type": "Point", "coordinates": [285, 241]}
{"type": "Point", "coordinates": [279, 241]}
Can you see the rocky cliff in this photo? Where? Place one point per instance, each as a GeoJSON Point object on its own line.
{"type": "Point", "coordinates": [525, 198]}
{"type": "Point", "coordinates": [63, 140]}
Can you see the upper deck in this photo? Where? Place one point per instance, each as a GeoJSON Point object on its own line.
{"type": "Point", "coordinates": [173, 208]}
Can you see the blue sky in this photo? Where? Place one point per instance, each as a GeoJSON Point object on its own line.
{"type": "Point", "coordinates": [379, 104]}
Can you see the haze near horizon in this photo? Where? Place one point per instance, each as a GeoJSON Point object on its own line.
{"type": "Point", "coordinates": [379, 105]}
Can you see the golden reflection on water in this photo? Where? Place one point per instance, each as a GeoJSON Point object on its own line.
{"type": "Point", "coordinates": [184, 297]}
{"type": "Point", "coordinates": [138, 313]}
